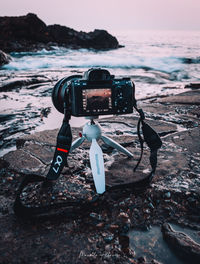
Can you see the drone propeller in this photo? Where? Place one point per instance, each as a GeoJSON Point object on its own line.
{"type": "Point", "coordinates": [97, 165]}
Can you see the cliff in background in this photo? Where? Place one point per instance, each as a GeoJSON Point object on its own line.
{"type": "Point", "coordinates": [29, 33]}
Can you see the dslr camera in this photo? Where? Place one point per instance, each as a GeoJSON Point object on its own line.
{"type": "Point", "coordinates": [93, 94]}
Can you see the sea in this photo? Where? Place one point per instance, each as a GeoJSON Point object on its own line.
{"type": "Point", "coordinates": [159, 63]}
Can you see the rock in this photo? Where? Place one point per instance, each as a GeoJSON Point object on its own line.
{"type": "Point", "coordinates": [191, 98]}
{"type": "Point", "coordinates": [141, 260]}
{"type": "Point", "coordinates": [151, 206]}
{"type": "Point", "coordinates": [124, 241]}
{"type": "Point", "coordinates": [101, 39]}
{"type": "Point", "coordinates": [181, 243]}
{"type": "Point", "coordinates": [113, 227]}
{"type": "Point", "coordinates": [96, 216]}
{"type": "Point", "coordinates": [24, 162]}
{"type": "Point", "coordinates": [108, 238]}
{"type": "Point", "coordinates": [29, 33]}
{"type": "Point", "coordinates": [184, 139]}
{"type": "Point", "coordinates": [22, 81]}
{"type": "Point", "coordinates": [154, 261]}
{"type": "Point", "coordinates": [4, 58]}
{"type": "Point", "coordinates": [193, 86]}
{"type": "Point", "coordinates": [167, 195]}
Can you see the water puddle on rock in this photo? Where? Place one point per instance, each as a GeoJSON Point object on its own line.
{"type": "Point", "coordinates": [151, 245]}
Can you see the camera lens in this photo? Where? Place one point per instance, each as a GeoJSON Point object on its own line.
{"type": "Point", "coordinates": [60, 90]}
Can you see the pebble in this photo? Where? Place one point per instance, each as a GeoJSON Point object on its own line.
{"type": "Point", "coordinates": [167, 195]}
{"type": "Point", "coordinates": [10, 179]}
{"type": "Point", "coordinates": [96, 216]}
{"type": "Point", "coordinates": [147, 211]}
{"type": "Point", "coordinates": [122, 203]}
{"type": "Point", "coordinates": [108, 248]}
{"type": "Point", "coordinates": [100, 225]}
{"type": "Point", "coordinates": [151, 205]}
{"type": "Point", "coordinates": [108, 238]}
{"type": "Point", "coordinates": [123, 215]}
{"type": "Point", "coordinates": [113, 227]}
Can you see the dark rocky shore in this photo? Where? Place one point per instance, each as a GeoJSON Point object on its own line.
{"type": "Point", "coordinates": [29, 33]}
{"type": "Point", "coordinates": [101, 234]}
{"type": "Point", "coordinates": [4, 58]}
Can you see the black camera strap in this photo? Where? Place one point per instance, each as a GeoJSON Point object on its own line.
{"type": "Point", "coordinates": [64, 140]}
{"type": "Point", "coordinates": [150, 137]}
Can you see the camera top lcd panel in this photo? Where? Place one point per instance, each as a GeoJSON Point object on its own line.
{"type": "Point", "coordinates": [101, 97]}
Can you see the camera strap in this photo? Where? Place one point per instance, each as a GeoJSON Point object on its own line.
{"type": "Point", "coordinates": [150, 137]}
{"type": "Point", "coordinates": [64, 140]}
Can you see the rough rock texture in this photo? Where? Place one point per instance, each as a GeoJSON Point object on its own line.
{"type": "Point", "coordinates": [4, 58]}
{"type": "Point", "coordinates": [181, 243]}
{"type": "Point", "coordinates": [191, 97]}
{"type": "Point", "coordinates": [26, 33]}
{"type": "Point", "coordinates": [100, 234]}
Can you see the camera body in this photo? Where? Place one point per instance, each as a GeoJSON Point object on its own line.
{"type": "Point", "coordinates": [96, 93]}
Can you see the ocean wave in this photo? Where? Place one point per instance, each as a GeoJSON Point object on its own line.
{"type": "Point", "coordinates": [53, 51]}
{"type": "Point", "coordinates": [65, 58]}
{"type": "Point", "coordinates": [167, 52]}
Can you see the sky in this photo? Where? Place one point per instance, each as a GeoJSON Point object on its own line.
{"type": "Point", "coordinates": [111, 15]}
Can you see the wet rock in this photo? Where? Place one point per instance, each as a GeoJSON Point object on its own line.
{"type": "Point", "coordinates": [193, 85]}
{"type": "Point", "coordinates": [191, 97]}
{"type": "Point", "coordinates": [45, 112]}
{"type": "Point", "coordinates": [181, 243]}
{"type": "Point", "coordinates": [19, 82]}
{"type": "Point", "coordinates": [24, 162]}
{"type": "Point", "coordinates": [29, 33]}
{"type": "Point", "coordinates": [4, 58]}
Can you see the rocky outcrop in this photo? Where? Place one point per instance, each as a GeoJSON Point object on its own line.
{"type": "Point", "coordinates": [4, 58]}
{"type": "Point", "coordinates": [181, 243]}
{"type": "Point", "coordinates": [27, 33]}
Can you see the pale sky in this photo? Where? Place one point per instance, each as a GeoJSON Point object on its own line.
{"type": "Point", "coordinates": [111, 15]}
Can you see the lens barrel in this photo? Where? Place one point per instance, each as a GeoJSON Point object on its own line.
{"type": "Point", "coordinates": [61, 91]}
